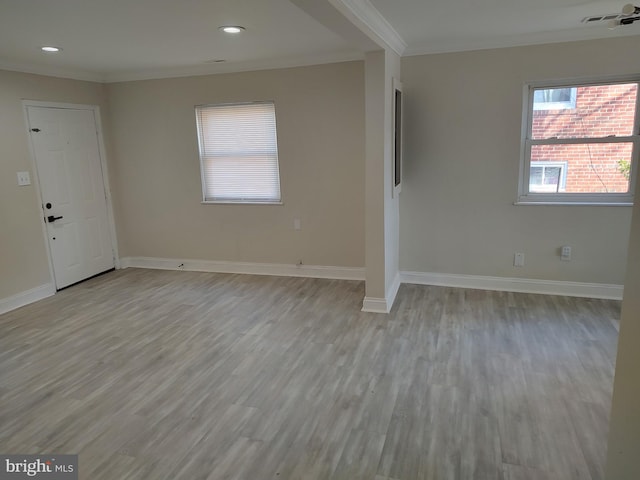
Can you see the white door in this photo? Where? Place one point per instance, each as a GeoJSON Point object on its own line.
{"type": "Point", "coordinates": [69, 168]}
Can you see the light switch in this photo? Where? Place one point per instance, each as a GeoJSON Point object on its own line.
{"type": "Point", "coordinates": [24, 179]}
{"type": "Point", "coordinates": [296, 224]}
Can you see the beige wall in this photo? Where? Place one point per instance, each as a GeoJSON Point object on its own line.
{"type": "Point", "coordinates": [462, 152]}
{"type": "Point", "coordinates": [23, 259]}
{"type": "Point", "coordinates": [320, 122]}
{"type": "Point", "coordinates": [623, 457]}
{"type": "Point", "coordinates": [375, 161]}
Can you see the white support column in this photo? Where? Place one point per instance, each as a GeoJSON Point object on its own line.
{"type": "Point", "coordinates": [381, 208]}
{"type": "Point", "coordinates": [623, 457]}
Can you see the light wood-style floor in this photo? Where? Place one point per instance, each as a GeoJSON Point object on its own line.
{"type": "Point", "coordinates": [181, 375]}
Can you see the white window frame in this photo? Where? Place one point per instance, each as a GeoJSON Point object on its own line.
{"type": "Point", "coordinates": [526, 197]}
{"type": "Point", "coordinates": [201, 143]}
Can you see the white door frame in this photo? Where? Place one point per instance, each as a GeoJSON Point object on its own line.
{"type": "Point", "coordinates": [103, 164]}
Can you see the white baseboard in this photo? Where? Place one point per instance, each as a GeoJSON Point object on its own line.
{"type": "Point", "coordinates": [521, 285]}
{"type": "Point", "coordinates": [375, 305]}
{"type": "Point", "coordinates": [25, 298]}
{"type": "Point", "coordinates": [382, 305]}
{"type": "Point", "coordinates": [275, 269]}
{"type": "Point", "coordinates": [393, 291]}
{"type": "Point", "coordinates": [370, 304]}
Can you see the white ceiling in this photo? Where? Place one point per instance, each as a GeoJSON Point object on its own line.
{"type": "Point", "coordinates": [127, 38]}
{"type": "Point", "coordinates": [430, 26]}
{"type": "Point", "coordinates": [111, 40]}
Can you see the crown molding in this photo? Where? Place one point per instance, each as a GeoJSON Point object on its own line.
{"type": "Point", "coordinates": [52, 71]}
{"type": "Point", "coordinates": [539, 38]}
{"type": "Point", "coordinates": [366, 17]}
{"type": "Point", "coordinates": [186, 71]}
{"type": "Point", "coordinates": [234, 67]}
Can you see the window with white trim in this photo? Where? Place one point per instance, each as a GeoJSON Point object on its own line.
{"type": "Point", "coordinates": [580, 143]}
{"type": "Point", "coordinates": [238, 153]}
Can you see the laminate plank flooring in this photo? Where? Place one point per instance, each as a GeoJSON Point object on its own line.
{"type": "Point", "coordinates": [181, 375]}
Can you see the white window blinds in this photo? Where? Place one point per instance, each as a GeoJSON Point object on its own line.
{"type": "Point", "coordinates": [239, 153]}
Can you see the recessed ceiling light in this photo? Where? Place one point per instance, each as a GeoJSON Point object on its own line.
{"type": "Point", "coordinates": [232, 28]}
{"type": "Point", "coordinates": [50, 49]}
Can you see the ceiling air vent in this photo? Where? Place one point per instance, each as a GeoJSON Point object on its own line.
{"type": "Point", "coordinates": [607, 17]}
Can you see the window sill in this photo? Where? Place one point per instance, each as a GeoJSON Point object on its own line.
{"type": "Point", "coordinates": [575, 204]}
{"type": "Point", "coordinates": [239, 203]}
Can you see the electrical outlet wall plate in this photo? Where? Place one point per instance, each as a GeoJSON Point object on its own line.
{"type": "Point", "coordinates": [23, 179]}
{"type": "Point", "coordinates": [518, 260]}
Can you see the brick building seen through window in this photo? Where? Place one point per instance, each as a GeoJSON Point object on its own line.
{"type": "Point", "coordinates": [596, 111]}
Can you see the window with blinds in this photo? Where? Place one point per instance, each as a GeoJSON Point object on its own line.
{"type": "Point", "coordinates": [239, 153]}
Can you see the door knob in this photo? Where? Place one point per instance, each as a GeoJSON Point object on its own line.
{"type": "Point", "coordinates": [52, 219]}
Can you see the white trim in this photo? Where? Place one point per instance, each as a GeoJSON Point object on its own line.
{"type": "Point", "coordinates": [527, 197]}
{"type": "Point", "coordinates": [229, 202]}
{"type": "Point", "coordinates": [52, 71]}
{"type": "Point", "coordinates": [578, 204]}
{"type": "Point", "coordinates": [375, 305]}
{"type": "Point", "coordinates": [25, 298]}
{"type": "Point", "coordinates": [234, 67]}
{"type": "Point", "coordinates": [70, 106]}
{"type": "Point", "coordinates": [582, 33]}
{"type": "Point", "coordinates": [275, 269]}
{"type": "Point", "coordinates": [369, 304]}
{"type": "Point", "coordinates": [392, 292]}
{"type": "Point", "coordinates": [382, 305]}
{"type": "Point", "coordinates": [107, 188]}
{"type": "Point", "coordinates": [263, 184]}
{"type": "Point", "coordinates": [103, 165]}
{"type": "Point", "coordinates": [520, 285]}
{"type": "Point", "coordinates": [185, 71]}
{"type": "Point", "coordinates": [370, 21]}
{"type": "Point", "coordinates": [605, 79]}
